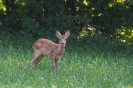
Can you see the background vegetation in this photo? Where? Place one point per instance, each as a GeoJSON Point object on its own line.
{"type": "Point", "coordinates": [42, 17]}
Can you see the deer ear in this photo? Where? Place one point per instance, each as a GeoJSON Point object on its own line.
{"type": "Point", "coordinates": [67, 34]}
{"type": "Point", "coordinates": [58, 34]}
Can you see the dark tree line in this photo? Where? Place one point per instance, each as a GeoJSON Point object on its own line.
{"type": "Point", "coordinates": [43, 17]}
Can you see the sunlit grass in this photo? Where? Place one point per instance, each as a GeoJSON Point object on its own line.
{"type": "Point", "coordinates": [92, 67]}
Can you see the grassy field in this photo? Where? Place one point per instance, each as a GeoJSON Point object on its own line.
{"type": "Point", "coordinates": [91, 66]}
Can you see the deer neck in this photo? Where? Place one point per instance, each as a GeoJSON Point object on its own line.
{"type": "Point", "coordinates": [61, 49]}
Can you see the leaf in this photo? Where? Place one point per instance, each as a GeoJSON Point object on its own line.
{"type": "Point", "coordinates": [36, 25]}
{"type": "Point", "coordinates": [32, 21]}
{"type": "Point", "coordinates": [61, 12]}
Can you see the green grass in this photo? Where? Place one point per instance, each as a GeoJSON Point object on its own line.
{"type": "Point", "coordinates": [97, 66]}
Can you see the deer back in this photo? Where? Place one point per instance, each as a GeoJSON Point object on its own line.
{"type": "Point", "coordinates": [47, 47]}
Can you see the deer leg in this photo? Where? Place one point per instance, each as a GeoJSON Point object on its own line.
{"type": "Point", "coordinates": [55, 64]}
{"type": "Point", "coordinates": [39, 59]}
{"type": "Point", "coordinates": [35, 57]}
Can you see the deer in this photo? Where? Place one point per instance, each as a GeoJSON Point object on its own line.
{"type": "Point", "coordinates": [45, 47]}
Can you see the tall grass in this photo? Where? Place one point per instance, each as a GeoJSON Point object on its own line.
{"type": "Point", "coordinates": [92, 65]}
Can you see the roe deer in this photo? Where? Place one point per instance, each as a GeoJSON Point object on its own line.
{"type": "Point", "coordinates": [44, 47]}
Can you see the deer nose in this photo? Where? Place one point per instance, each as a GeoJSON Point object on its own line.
{"type": "Point", "coordinates": [62, 43]}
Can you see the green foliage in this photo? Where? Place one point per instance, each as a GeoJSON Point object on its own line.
{"type": "Point", "coordinates": [42, 17]}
